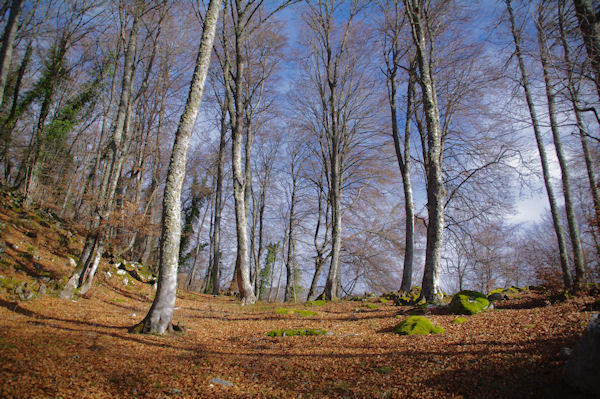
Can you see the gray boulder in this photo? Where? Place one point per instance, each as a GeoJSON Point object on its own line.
{"type": "Point", "coordinates": [582, 370]}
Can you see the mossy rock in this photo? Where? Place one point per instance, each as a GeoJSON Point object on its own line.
{"type": "Point", "coordinates": [318, 302]}
{"type": "Point", "coordinates": [138, 271]}
{"type": "Point", "coordinates": [468, 302]}
{"type": "Point", "coordinates": [458, 320]}
{"type": "Point", "coordinates": [417, 325]}
{"type": "Point", "coordinates": [405, 298]}
{"type": "Point", "coordinates": [288, 332]}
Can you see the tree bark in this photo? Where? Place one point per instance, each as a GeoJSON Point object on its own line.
{"type": "Point", "coordinates": [159, 318]}
{"type": "Point", "coordinates": [564, 259]}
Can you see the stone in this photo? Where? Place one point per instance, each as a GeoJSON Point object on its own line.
{"type": "Point", "coordinates": [582, 370]}
{"type": "Point", "coordinates": [496, 296]}
{"type": "Point", "coordinates": [220, 381]}
{"type": "Point", "coordinates": [468, 302]}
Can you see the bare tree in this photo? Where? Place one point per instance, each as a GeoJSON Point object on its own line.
{"type": "Point", "coordinates": [417, 17]}
{"type": "Point", "coordinates": [564, 260]}
{"type": "Point", "coordinates": [566, 180]}
{"type": "Point", "coordinates": [247, 16]}
{"type": "Point", "coordinates": [159, 317]}
{"type": "Point", "coordinates": [574, 99]}
{"type": "Point", "coordinates": [393, 54]}
{"type": "Point", "coordinates": [86, 267]}
{"type": "Point", "coordinates": [336, 116]}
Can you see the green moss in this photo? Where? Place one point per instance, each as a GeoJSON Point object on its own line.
{"type": "Point", "coordinates": [468, 302]}
{"type": "Point", "coordinates": [119, 300]}
{"type": "Point", "coordinates": [299, 312]}
{"type": "Point", "coordinates": [417, 325]}
{"type": "Point", "coordinates": [318, 302]}
{"type": "Point", "coordinates": [405, 298]}
{"type": "Point", "coordinates": [9, 284]}
{"type": "Point", "coordinates": [294, 332]}
{"type": "Point", "coordinates": [383, 370]}
{"type": "Point", "coordinates": [370, 306]}
{"type": "Point", "coordinates": [383, 300]}
{"type": "Point", "coordinates": [458, 320]}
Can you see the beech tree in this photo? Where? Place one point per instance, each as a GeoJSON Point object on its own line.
{"type": "Point", "coordinates": [564, 260]}
{"type": "Point", "coordinates": [159, 317]}
{"type": "Point", "coordinates": [246, 17]}
{"type": "Point", "coordinates": [337, 79]}
{"type": "Point", "coordinates": [394, 51]}
{"type": "Point", "coordinates": [417, 17]}
{"type": "Point", "coordinates": [560, 154]}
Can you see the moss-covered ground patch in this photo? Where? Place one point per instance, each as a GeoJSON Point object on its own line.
{"type": "Point", "coordinates": [290, 332]}
{"type": "Point", "coordinates": [318, 302]}
{"type": "Point", "coordinates": [298, 312]}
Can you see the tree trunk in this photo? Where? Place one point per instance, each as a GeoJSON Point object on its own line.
{"type": "Point", "coordinates": [566, 184]}
{"type": "Point", "coordinates": [435, 184]}
{"type": "Point", "coordinates": [10, 32]}
{"type": "Point", "coordinates": [564, 259]}
{"type": "Point", "coordinates": [331, 285]}
{"type": "Point", "coordinates": [290, 261]}
{"type": "Point", "coordinates": [158, 320]}
{"type": "Point", "coordinates": [218, 200]}
{"type": "Point", "coordinates": [403, 157]}
{"type": "Point", "coordinates": [320, 260]}
{"type": "Point", "coordinates": [242, 269]}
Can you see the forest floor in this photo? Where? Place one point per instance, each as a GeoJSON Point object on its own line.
{"type": "Point", "coordinates": [55, 348]}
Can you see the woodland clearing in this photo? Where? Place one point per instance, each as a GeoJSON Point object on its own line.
{"type": "Point", "coordinates": [55, 348]}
